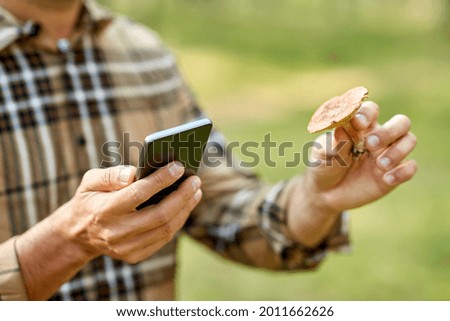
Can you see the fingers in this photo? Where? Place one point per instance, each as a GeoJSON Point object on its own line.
{"type": "Point", "coordinates": [177, 200]}
{"type": "Point", "coordinates": [143, 245]}
{"type": "Point", "coordinates": [136, 256]}
{"type": "Point", "coordinates": [339, 150]}
{"type": "Point", "coordinates": [151, 217]}
{"type": "Point", "coordinates": [366, 117]}
{"type": "Point", "coordinates": [159, 226]}
{"type": "Point", "coordinates": [169, 228]}
{"type": "Point", "coordinates": [141, 190]}
{"type": "Point", "coordinates": [385, 135]}
{"type": "Point", "coordinates": [108, 179]}
{"type": "Point", "coordinates": [400, 174]}
{"type": "Point", "coordinates": [165, 211]}
{"type": "Point", "coordinates": [389, 145]}
{"type": "Point", "coordinates": [396, 152]}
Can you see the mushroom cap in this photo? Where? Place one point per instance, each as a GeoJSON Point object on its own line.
{"type": "Point", "coordinates": [338, 110]}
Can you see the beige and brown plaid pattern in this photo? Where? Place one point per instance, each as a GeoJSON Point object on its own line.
{"type": "Point", "coordinates": [58, 106]}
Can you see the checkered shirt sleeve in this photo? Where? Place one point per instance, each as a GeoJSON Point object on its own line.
{"type": "Point", "coordinates": [244, 219]}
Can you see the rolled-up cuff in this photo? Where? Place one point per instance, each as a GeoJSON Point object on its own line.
{"type": "Point", "coordinates": [291, 254]}
{"type": "Point", "coordinates": [12, 287]}
{"type": "Point", "coordinates": [296, 256]}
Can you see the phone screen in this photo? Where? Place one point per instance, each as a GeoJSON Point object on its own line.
{"type": "Point", "coordinates": [185, 143]}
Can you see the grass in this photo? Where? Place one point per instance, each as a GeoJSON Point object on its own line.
{"type": "Point", "coordinates": [278, 60]}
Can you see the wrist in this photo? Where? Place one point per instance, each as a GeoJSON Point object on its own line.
{"type": "Point", "coordinates": [48, 257]}
{"type": "Point", "coordinates": [309, 216]}
{"type": "Point", "coordinates": [316, 197]}
{"type": "Point", "coordinates": [69, 228]}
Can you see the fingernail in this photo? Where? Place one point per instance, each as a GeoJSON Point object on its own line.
{"type": "Point", "coordinates": [176, 168]}
{"type": "Point", "coordinates": [362, 120]}
{"type": "Point", "coordinates": [385, 162]}
{"type": "Point", "coordinates": [124, 174]}
{"type": "Point", "coordinates": [196, 183]}
{"type": "Point", "coordinates": [389, 179]}
{"type": "Point", "coordinates": [373, 141]}
{"type": "Point", "coordinates": [198, 195]}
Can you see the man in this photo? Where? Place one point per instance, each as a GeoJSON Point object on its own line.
{"type": "Point", "coordinates": [72, 77]}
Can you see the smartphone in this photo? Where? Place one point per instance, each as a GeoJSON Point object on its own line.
{"type": "Point", "coordinates": [185, 143]}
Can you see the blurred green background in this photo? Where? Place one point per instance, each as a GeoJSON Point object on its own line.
{"type": "Point", "coordinates": [264, 65]}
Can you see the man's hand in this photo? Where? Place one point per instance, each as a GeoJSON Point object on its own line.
{"type": "Point", "coordinates": [334, 187]}
{"type": "Point", "coordinates": [375, 173]}
{"type": "Point", "coordinates": [102, 219]}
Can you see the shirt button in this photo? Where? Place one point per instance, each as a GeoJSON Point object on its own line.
{"type": "Point", "coordinates": [81, 141]}
{"type": "Point", "coordinates": [63, 45]}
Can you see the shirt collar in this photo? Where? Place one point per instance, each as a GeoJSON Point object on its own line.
{"type": "Point", "coordinates": [93, 17]}
{"type": "Point", "coordinates": [97, 14]}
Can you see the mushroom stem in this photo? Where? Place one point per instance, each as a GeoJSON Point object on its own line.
{"type": "Point", "coordinates": [358, 144]}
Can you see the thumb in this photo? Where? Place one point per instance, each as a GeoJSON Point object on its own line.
{"type": "Point", "coordinates": [332, 149]}
{"type": "Point", "coordinates": [108, 179]}
{"type": "Point", "coordinates": [331, 158]}
{"type": "Point", "coordinates": [340, 135]}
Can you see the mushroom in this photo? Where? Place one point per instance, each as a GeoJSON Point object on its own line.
{"type": "Point", "coordinates": [338, 112]}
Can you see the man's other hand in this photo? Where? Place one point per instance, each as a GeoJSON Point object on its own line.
{"type": "Point", "coordinates": [103, 218]}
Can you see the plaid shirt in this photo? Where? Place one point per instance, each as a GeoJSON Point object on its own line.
{"type": "Point", "coordinates": [60, 103]}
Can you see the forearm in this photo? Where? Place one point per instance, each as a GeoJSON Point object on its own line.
{"type": "Point", "coordinates": [309, 219]}
{"type": "Point", "coordinates": [48, 257]}
{"type": "Point", "coordinates": [97, 221]}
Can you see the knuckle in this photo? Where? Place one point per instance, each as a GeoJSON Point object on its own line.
{"type": "Point", "coordinates": [411, 170]}
{"type": "Point", "coordinates": [371, 107]}
{"type": "Point", "coordinates": [159, 179]}
{"type": "Point", "coordinates": [168, 231]}
{"type": "Point", "coordinates": [395, 152]}
{"type": "Point", "coordinates": [403, 147]}
{"type": "Point", "coordinates": [193, 201]}
{"type": "Point", "coordinates": [406, 172]}
{"type": "Point", "coordinates": [406, 122]}
{"type": "Point", "coordinates": [387, 137]}
{"type": "Point", "coordinates": [375, 107]}
{"type": "Point", "coordinates": [413, 139]}
{"type": "Point", "coordinates": [186, 195]}
{"type": "Point", "coordinates": [160, 216]}
{"type": "Point", "coordinates": [403, 176]}
{"type": "Point", "coordinates": [184, 215]}
{"type": "Point", "coordinates": [135, 193]}
{"type": "Point", "coordinates": [118, 252]}
{"type": "Point", "coordinates": [108, 236]}
{"type": "Point", "coordinates": [106, 176]}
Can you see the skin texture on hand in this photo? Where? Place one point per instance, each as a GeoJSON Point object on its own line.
{"type": "Point", "coordinates": [110, 226]}
{"type": "Point", "coordinates": [102, 218]}
{"type": "Point", "coordinates": [334, 188]}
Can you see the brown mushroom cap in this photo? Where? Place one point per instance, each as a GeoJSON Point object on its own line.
{"type": "Point", "coordinates": [338, 110]}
